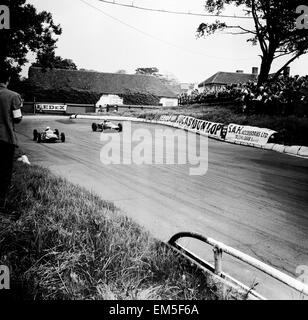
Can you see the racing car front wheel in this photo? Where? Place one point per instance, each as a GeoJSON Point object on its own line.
{"type": "Point", "coordinates": [56, 132]}
{"type": "Point", "coordinates": [94, 126]}
{"type": "Point", "coordinates": [34, 134]}
{"type": "Point", "coordinates": [120, 127]}
{"type": "Point", "coordinates": [39, 138]}
{"type": "Point", "coordinates": [62, 137]}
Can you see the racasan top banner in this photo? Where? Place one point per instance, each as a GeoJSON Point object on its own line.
{"type": "Point", "coordinates": [211, 129]}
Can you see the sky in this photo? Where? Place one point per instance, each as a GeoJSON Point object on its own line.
{"type": "Point", "coordinates": [108, 38]}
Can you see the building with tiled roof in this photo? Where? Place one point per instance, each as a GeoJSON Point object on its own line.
{"type": "Point", "coordinates": [222, 79]}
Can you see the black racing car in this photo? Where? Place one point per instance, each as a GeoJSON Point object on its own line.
{"type": "Point", "coordinates": [105, 125]}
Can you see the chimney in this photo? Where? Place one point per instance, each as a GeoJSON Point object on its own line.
{"type": "Point", "coordinates": [239, 71]}
{"type": "Point", "coordinates": [286, 72]}
{"type": "Point", "coordinates": [255, 71]}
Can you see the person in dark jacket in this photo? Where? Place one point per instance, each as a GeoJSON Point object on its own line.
{"type": "Point", "coordinates": [10, 114]}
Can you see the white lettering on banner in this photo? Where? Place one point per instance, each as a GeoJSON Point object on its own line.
{"type": "Point", "coordinates": [50, 107]}
{"type": "Point", "coordinates": [174, 118]}
{"type": "Point", "coordinates": [165, 118]}
{"type": "Point", "coordinates": [248, 135]}
{"type": "Point", "coordinates": [168, 118]}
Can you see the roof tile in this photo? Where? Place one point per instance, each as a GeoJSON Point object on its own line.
{"type": "Point", "coordinates": [226, 78]}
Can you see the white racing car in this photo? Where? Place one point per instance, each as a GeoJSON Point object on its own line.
{"type": "Point", "coordinates": [48, 136]}
{"type": "Point", "coordinates": [105, 125]}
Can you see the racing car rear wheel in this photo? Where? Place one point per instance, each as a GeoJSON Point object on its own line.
{"type": "Point", "coordinates": [34, 134]}
{"type": "Point", "coordinates": [39, 138]}
{"type": "Point", "coordinates": [120, 127]}
{"type": "Point", "coordinates": [62, 137]}
{"type": "Point", "coordinates": [94, 126]}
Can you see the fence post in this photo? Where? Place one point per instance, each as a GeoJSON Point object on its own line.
{"type": "Point", "coordinates": [218, 260]}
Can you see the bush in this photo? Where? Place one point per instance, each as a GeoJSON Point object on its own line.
{"type": "Point", "coordinates": [283, 96]}
{"type": "Point", "coordinates": [137, 98]}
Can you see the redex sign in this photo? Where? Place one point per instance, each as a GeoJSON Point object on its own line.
{"type": "Point", "coordinates": [50, 107]}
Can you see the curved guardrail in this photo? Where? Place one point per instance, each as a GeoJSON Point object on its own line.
{"type": "Point", "coordinates": [219, 248]}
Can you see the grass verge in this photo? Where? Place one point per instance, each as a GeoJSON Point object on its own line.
{"type": "Point", "coordinates": [70, 244]}
{"type": "Point", "coordinates": [292, 129]}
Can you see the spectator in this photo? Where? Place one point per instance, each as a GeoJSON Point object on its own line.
{"type": "Point", "coordinates": [10, 114]}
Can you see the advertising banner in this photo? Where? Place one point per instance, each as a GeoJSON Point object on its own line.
{"type": "Point", "coordinates": [168, 118]}
{"type": "Point", "coordinates": [40, 107]}
{"type": "Point", "coordinates": [212, 129]}
{"type": "Point", "coordinates": [248, 135]}
{"type": "Point", "coordinates": [232, 132]}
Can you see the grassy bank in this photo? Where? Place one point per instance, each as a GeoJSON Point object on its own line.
{"type": "Point", "coordinates": [292, 130]}
{"type": "Point", "coordinates": [70, 244]}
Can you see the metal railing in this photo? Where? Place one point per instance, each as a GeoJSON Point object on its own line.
{"type": "Point", "coordinates": [219, 248]}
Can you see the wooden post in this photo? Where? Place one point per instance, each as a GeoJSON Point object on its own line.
{"type": "Point", "coordinates": [218, 260]}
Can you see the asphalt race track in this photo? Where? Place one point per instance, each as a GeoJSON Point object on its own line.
{"type": "Point", "coordinates": [253, 200]}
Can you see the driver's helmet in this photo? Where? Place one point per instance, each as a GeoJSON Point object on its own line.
{"type": "Point", "coordinates": [47, 128]}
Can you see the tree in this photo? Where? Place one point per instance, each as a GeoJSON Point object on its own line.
{"type": "Point", "coordinates": [49, 60]}
{"type": "Point", "coordinates": [30, 31]}
{"type": "Point", "coordinates": [171, 81]}
{"type": "Point", "coordinates": [152, 71]}
{"type": "Point", "coordinates": [275, 29]}
{"type": "Point", "coordinates": [88, 70]}
{"type": "Point", "coordinates": [121, 71]}
{"type": "Point", "coordinates": [167, 79]}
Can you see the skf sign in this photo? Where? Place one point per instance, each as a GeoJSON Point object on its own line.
{"type": "Point", "coordinates": [4, 17]}
{"type": "Point", "coordinates": [302, 20]}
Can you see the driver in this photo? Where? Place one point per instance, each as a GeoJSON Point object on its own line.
{"type": "Point", "coordinates": [49, 132]}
